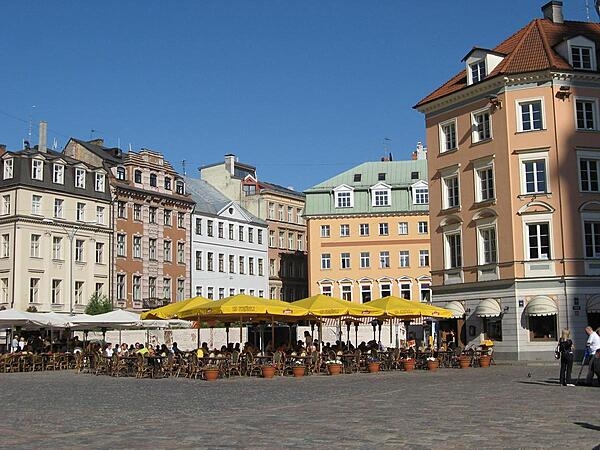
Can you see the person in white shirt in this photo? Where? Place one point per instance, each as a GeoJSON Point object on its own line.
{"type": "Point", "coordinates": [592, 344]}
{"type": "Point", "coordinates": [14, 346]}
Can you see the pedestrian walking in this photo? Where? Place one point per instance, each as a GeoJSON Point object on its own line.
{"type": "Point", "coordinates": [565, 348]}
{"type": "Point", "coordinates": [592, 345]}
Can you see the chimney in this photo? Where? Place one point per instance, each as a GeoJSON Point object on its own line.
{"type": "Point", "coordinates": [230, 163]}
{"type": "Point", "coordinates": [2, 149]}
{"type": "Point", "coordinates": [99, 142]}
{"type": "Point", "coordinates": [42, 137]}
{"type": "Point", "coordinates": [553, 11]}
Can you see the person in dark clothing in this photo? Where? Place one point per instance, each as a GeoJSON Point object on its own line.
{"type": "Point", "coordinates": [566, 347]}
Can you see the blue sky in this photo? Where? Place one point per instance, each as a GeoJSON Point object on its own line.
{"type": "Point", "coordinates": [301, 89]}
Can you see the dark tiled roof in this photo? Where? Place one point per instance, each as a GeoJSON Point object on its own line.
{"type": "Point", "coordinates": [105, 153]}
{"type": "Point", "coordinates": [528, 50]}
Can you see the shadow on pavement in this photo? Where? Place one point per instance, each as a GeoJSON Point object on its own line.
{"type": "Point", "coordinates": [549, 381]}
{"type": "Point", "coordinates": [589, 426]}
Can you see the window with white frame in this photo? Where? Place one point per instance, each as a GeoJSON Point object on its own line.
{"type": "Point", "coordinates": [538, 240]}
{"type": "Point", "coordinates": [365, 293]}
{"type": "Point", "coordinates": [34, 246]}
{"type": "Point", "coordinates": [325, 261]}
{"type": "Point", "coordinates": [261, 267]}
{"type": "Point", "coordinates": [384, 259]}
{"type": "Point", "coordinates": [167, 217]}
{"type": "Point", "coordinates": [120, 173]}
{"type": "Point", "coordinates": [153, 180]}
{"type": "Point", "coordinates": [79, 250]}
{"type": "Point", "coordinates": [423, 258]}
{"type": "Point", "coordinates": [451, 192]}
{"type": "Point", "coordinates": [6, 204]}
{"type": "Point", "coordinates": [166, 288]}
{"type": "Point", "coordinates": [241, 265]}
{"type": "Point", "coordinates": [137, 246]}
{"type": "Point", "coordinates": [271, 210]}
{"type": "Point", "coordinates": [365, 260]}
{"type": "Point", "coordinates": [280, 212]}
{"type": "Point", "coordinates": [100, 215]}
{"type": "Point", "coordinates": [209, 228]}
{"type": "Point", "coordinates": [423, 227]}
{"type": "Point", "coordinates": [99, 252]}
{"type": "Point", "coordinates": [453, 250]}
{"type": "Point", "coordinates": [56, 298]}
{"type": "Point", "coordinates": [79, 292]}
{"type": "Point", "coordinates": [152, 211]}
{"type": "Point", "coordinates": [251, 235]}
{"type": "Point", "coordinates": [385, 289]}
{"type": "Point", "coordinates": [250, 265]}
{"type": "Point", "coordinates": [259, 237]}
{"type": "Point", "coordinates": [488, 253]}
{"type": "Point", "coordinates": [152, 287]}
{"type": "Point", "coordinates": [343, 199]}
{"type": "Point", "coordinates": [300, 242]}
{"type": "Point", "coordinates": [591, 229]}
{"type": "Point", "coordinates": [167, 183]}
{"type": "Point", "coordinates": [180, 253]}
{"type": "Point", "coordinates": [420, 193]}
{"type": "Point", "coordinates": [290, 214]}
{"type": "Point", "coordinates": [481, 126]}
{"type": "Point", "coordinates": [282, 239]}
{"type": "Point", "coordinates": [180, 289]}
{"type": "Point", "coordinates": [404, 258]}
{"type": "Point", "coordinates": [58, 173]}
{"type": "Point", "coordinates": [478, 71]}
{"type": "Point", "coordinates": [272, 268]}
{"type": "Point", "coordinates": [152, 249]}
{"type": "Point", "coordinates": [80, 212]}
{"type": "Point", "coordinates": [121, 286]}
{"type": "Point", "coordinates": [57, 248]}
{"type": "Point", "coordinates": [99, 182]}
{"type": "Point", "coordinates": [241, 233]}
{"type": "Point", "coordinates": [36, 204]}
{"type": "Point", "coordinates": [8, 168]}
{"type": "Point", "coordinates": [121, 246]}
{"type": "Point", "coordinates": [137, 176]}
{"type": "Point", "coordinates": [425, 291]}
{"type": "Point", "coordinates": [345, 260]}
{"type": "Point", "coordinates": [4, 290]}
{"type": "Point", "coordinates": [325, 231]}
{"type": "Point", "coordinates": [198, 227]}
{"type": "Point", "coordinates": [346, 290]}
{"type": "Point", "coordinates": [448, 136]}
{"type": "Point", "coordinates": [405, 290]}
{"type": "Point", "coordinates": [137, 287]}
{"type": "Point", "coordinates": [586, 113]}
{"type": "Point", "coordinates": [326, 289]}
{"type": "Point", "coordinates": [34, 290]}
{"type": "Point", "coordinates": [402, 227]}
{"type": "Point", "coordinates": [581, 57]}
{"type": "Point", "coordinates": [380, 196]}
{"type": "Point", "coordinates": [121, 209]}
{"type": "Point", "coordinates": [364, 229]}
{"type": "Point", "coordinates": [291, 241]}
{"type": "Point", "coordinates": [531, 115]}
{"type": "Point", "coordinates": [59, 208]}
{"type": "Point", "coordinates": [80, 178]}
{"type": "Point", "coordinates": [198, 260]}
{"type": "Point", "coordinates": [272, 238]}
{"type": "Point", "coordinates": [181, 222]}
{"type": "Point", "coordinates": [534, 176]}
{"type": "Point", "coordinates": [344, 230]}
{"type": "Point", "coordinates": [5, 245]}
{"type": "Point", "coordinates": [384, 229]}
{"type": "Point", "coordinates": [167, 251]}
{"type": "Point", "coordinates": [484, 183]}
{"type": "Point", "coordinates": [37, 169]}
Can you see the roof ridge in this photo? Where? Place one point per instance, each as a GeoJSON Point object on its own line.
{"type": "Point", "coordinates": [513, 54]}
{"type": "Point", "coordinates": [547, 48]}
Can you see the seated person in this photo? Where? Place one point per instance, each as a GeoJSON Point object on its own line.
{"type": "Point", "coordinates": [142, 350]}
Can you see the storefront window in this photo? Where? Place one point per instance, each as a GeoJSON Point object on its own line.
{"type": "Point", "coordinates": [492, 328]}
{"type": "Point", "coordinates": [542, 328]}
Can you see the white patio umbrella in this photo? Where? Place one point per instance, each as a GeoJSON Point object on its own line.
{"type": "Point", "coordinates": [118, 319]}
{"type": "Point", "coordinates": [10, 318]}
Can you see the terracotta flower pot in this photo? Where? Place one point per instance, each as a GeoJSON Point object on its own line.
{"type": "Point", "coordinates": [433, 365]}
{"type": "Point", "coordinates": [484, 361]}
{"type": "Point", "coordinates": [211, 374]}
{"type": "Point", "coordinates": [334, 369]}
{"type": "Point", "coordinates": [268, 371]}
{"type": "Point", "coordinates": [373, 367]}
{"type": "Point", "coordinates": [464, 361]}
{"type": "Point", "coordinates": [408, 364]}
{"type": "Point", "coordinates": [298, 371]}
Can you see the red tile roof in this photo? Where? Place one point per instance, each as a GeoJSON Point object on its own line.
{"type": "Point", "coordinates": [528, 50]}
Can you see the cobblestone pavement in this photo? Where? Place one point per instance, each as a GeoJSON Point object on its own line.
{"type": "Point", "coordinates": [499, 407]}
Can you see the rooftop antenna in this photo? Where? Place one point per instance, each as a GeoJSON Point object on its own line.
{"type": "Point", "coordinates": [130, 147]}
{"type": "Point", "coordinates": [54, 144]}
{"type": "Point", "coordinates": [29, 131]}
{"type": "Point", "coordinates": [587, 10]}
{"type": "Point", "coordinates": [183, 167]}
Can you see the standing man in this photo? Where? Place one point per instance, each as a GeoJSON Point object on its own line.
{"type": "Point", "coordinates": [592, 345]}
{"type": "Point", "coordinates": [14, 345]}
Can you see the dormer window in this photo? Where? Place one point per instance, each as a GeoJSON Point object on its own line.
{"type": "Point", "coordinates": [37, 169]}
{"type": "Point", "coordinates": [478, 71]}
{"type": "Point", "coordinates": [99, 182]}
{"type": "Point", "coordinates": [579, 51]}
{"type": "Point", "coordinates": [581, 57]}
{"type": "Point", "coordinates": [343, 197]}
{"type": "Point", "coordinates": [420, 193]}
{"type": "Point", "coordinates": [480, 62]}
{"type": "Point", "coordinates": [357, 177]}
{"type": "Point", "coordinates": [80, 178]}
{"type": "Point", "coordinates": [179, 187]}
{"type": "Point", "coordinates": [381, 176]}
{"type": "Point", "coordinates": [167, 183]}
{"type": "Point", "coordinates": [120, 173]}
{"type": "Point", "coordinates": [8, 168]}
{"type": "Point", "coordinates": [381, 195]}
{"type": "Point", "coordinates": [58, 174]}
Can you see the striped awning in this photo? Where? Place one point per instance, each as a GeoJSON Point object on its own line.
{"type": "Point", "coordinates": [593, 305]}
{"type": "Point", "coordinates": [541, 305]}
{"type": "Point", "coordinates": [457, 308]}
{"type": "Point", "coordinates": [488, 307]}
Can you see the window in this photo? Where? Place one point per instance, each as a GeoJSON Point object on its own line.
{"type": "Point", "coordinates": [100, 215]}
{"type": "Point", "coordinates": [281, 239]}
{"type": "Point", "coordinates": [478, 72]}
{"type": "Point", "coordinates": [271, 210]}
{"type": "Point", "coordinates": [261, 269]}
{"type": "Point", "coordinates": [221, 262]}
{"type": "Point", "coordinates": [325, 261]}
{"type": "Point", "coordinates": [325, 290]}
{"type": "Point", "coordinates": [198, 227]}
{"type": "Point", "coordinates": [484, 184]}
{"type": "Point", "coordinates": [345, 260]}
{"type": "Point", "coordinates": [423, 258]}
{"type": "Point", "coordinates": [152, 287]}
{"type": "Point", "coordinates": [271, 238]}
{"type": "Point", "coordinates": [121, 245]}
{"type": "Point", "coordinates": [241, 233]}
{"type": "Point", "coordinates": [79, 293]}
{"type": "Point", "coordinates": [241, 265]}
{"type": "Point", "coordinates": [272, 268]}
{"type": "Point", "coordinates": [8, 168]}
{"type": "Point", "coordinates": [585, 111]}
{"type": "Point", "coordinates": [120, 173]}
{"type": "Point", "coordinates": [592, 239]}
{"type": "Point", "coordinates": [280, 212]}
{"type": "Point", "coordinates": [325, 231]}
{"type": "Point", "coordinates": [166, 288]}
{"type": "Point", "coordinates": [581, 57]}
{"type": "Point", "coordinates": [137, 176]}
{"type": "Point", "coordinates": [152, 214]}
{"type": "Point", "coordinates": [79, 250]}
{"type": "Point", "coordinates": [34, 246]}
{"type": "Point", "coordinates": [344, 230]}
{"type": "Point", "coordinates": [451, 192]}
{"type": "Point", "coordinates": [300, 242]}
{"type": "Point", "coordinates": [487, 246]}
{"type": "Point", "coordinates": [384, 229]}
{"type": "Point", "coordinates": [290, 214]}
{"type": "Point", "coordinates": [58, 173]}
{"type": "Point", "coordinates": [4, 290]}
{"type": "Point", "coordinates": [167, 251]}
{"type": "Point", "coordinates": [99, 253]}
{"type": "Point", "coordinates": [180, 289]}
{"type": "Point", "coordinates": [220, 226]}
{"type": "Point", "coordinates": [36, 204]}
{"type": "Point", "coordinates": [542, 328]}
{"type": "Point", "coordinates": [37, 169]}
{"type": "Point", "coordinates": [180, 187]}
{"type": "Point", "coordinates": [384, 260]}
{"type": "Point", "coordinates": [167, 183]}
{"type": "Point", "coordinates": [167, 217]}
{"type": "Point", "coordinates": [99, 182]}
{"type": "Point", "coordinates": [137, 246]}
{"type": "Point", "coordinates": [365, 260]}
{"type": "Point", "coordinates": [534, 176]}
{"type": "Point", "coordinates": [250, 265]}
{"type": "Point", "coordinates": [120, 286]}
{"type": "Point", "coordinates": [209, 228]}
{"type": "Point", "coordinates": [404, 258]}
{"type": "Point", "coordinates": [425, 291]}
{"type": "Point", "coordinates": [381, 197]}
{"type": "Point", "coordinates": [421, 195]}
{"type": "Point", "coordinates": [153, 180]}
{"type": "Point", "coordinates": [121, 209]}
{"type": "Point", "coordinates": [251, 235]}
{"type": "Point", "coordinates": [538, 240]}
{"type": "Point", "coordinates": [346, 292]}
{"type": "Point", "coordinates": [80, 178]}
{"type": "Point", "coordinates": [531, 117]}
{"type": "Point", "coordinates": [198, 260]}
{"type": "Point", "coordinates": [291, 241]}
{"type": "Point", "coordinates": [181, 253]}
{"type": "Point", "coordinates": [56, 292]}
{"type": "Point", "coordinates": [57, 248]}
{"type": "Point", "coordinates": [448, 136]}
{"type": "Point", "coordinates": [405, 290]}
{"type": "Point", "coordinates": [385, 289]}
{"type": "Point", "coordinates": [259, 237]}
{"type": "Point", "coordinates": [58, 208]}
{"type": "Point", "coordinates": [5, 245]}
{"type": "Point", "coordinates": [137, 288]}
{"type": "Point", "coordinates": [343, 199]}
{"type": "Point", "coordinates": [6, 204]}
{"type": "Point", "coordinates": [364, 229]}
{"type": "Point", "coordinates": [403, 228]}
{"type": "Point", "coordinates": [453, 253]}
{"type": "Point", "coordinates": [423, 227]}
{"type": "Point", "coordinates": [481, 126]}
{"type": "Point", "coordinates": [365, 293]}
{"type": "Point", "coordinates": [34, 287]}
{"type": "Point", "coordinates": [152, 249]}
{"type": "Point", "coordinates": [80, 212]}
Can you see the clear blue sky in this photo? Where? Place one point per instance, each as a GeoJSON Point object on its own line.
{"type": "Point", "coordinates": [301, 89]}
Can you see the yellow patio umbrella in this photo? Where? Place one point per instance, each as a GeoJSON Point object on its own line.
{"type": "Point", "coordinates": [241, 305]}
{"type": "Point", "coordinates": [325, 306]}
{"type": "Point", "coordinates": [428, 310]}
{"type": "Point", "coordinates": [397, 307]}
{"type": "Point", "coordinates": [172, 309]}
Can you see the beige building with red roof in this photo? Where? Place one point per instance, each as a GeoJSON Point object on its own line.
{"type": "Point", "coordinates": [514, 156]}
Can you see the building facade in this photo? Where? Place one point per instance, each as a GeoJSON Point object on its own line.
{"type": "Point", "coordinates": [151, 212]}
{"type": "Point", "coordinates": [368, 232]}
{"type": "Point", "coordinates": [282, 209]}
{"type": "Point", "coordinates": [229, 246]}
{"type": "Point", "coordinates": [514, 144]}
{"type": "Point", "coordinates": [55, 231]}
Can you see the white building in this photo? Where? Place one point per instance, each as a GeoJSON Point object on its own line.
{"type": "Point", "coordinates": [229, 246]}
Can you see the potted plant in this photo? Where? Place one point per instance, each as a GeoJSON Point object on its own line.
{"type": "Point", "coordinates": [211, 372]}
{"type": "Point", "coordinates": [464, 361]}
{"type": "Point", "coordinates": [432, 364]}
{"type": "Point", "coordinates": [373, 364]}
{"type": "Point", "coordinates": [298, 369]}
{"type": "Point", "coordinates": [334, 367]}
{"type": "Point", "coordinates": [408, 364]}
{"type": "Point", "coordinates": [268, 371]}
{"type": "Point", "coordinates": [484, 361]}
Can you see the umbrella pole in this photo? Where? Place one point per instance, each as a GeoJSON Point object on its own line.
{"type": "Point", "coordinates": [273, 333]}
{"type": "Point", "coordinates": [120, 340]}
{"type": "Point", "coordinates": [241, 321]}
{"type": "Point", "coordinates": [391, 337]}
{"type": "Point", "coordinates": [198, 332]}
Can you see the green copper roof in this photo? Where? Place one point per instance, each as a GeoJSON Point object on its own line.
{"type": "Point", "coordinates": [399, 175]}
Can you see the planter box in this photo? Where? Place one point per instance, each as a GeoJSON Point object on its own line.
{"type": "Point", "coordinates": [373, 367]}
{"type": "Point", "coordinates": [433, 365]}
{"type": "Point", "coordinates": [211, 374]}
{"type": "Point", "coordinates": [408, 365]}
{"type": "Point", "coordinates": [298, 371]}
{"type": "Point", "coordinates": [334, 369]}
{"type": "Point", "coordinates": [484, 361]}
{"type": "Point", "coordinates": [464, 361]}
{"type": "Point", "coordinates": [268, 371]}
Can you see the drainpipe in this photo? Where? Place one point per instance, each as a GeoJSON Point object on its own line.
{"type": "Point", "coordinates": [14, 250]}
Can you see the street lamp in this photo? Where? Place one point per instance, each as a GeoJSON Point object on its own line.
{"type": "Point", "coordinates": [71, 233]}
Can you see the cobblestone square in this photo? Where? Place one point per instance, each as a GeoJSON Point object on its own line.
{"type": "Point", "coordinates": [500, 407]}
